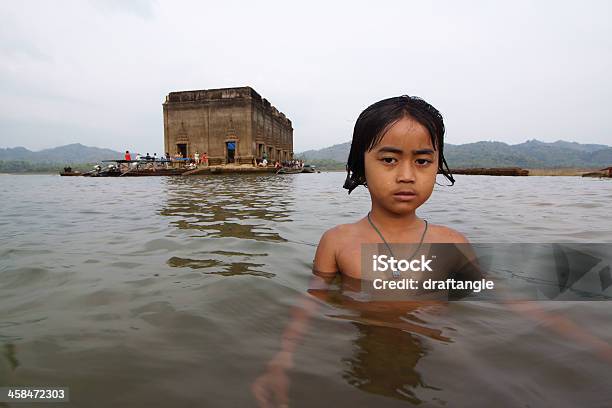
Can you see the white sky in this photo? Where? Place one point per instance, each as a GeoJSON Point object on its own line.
{"type": "Point", "coordinates": [96, 72]}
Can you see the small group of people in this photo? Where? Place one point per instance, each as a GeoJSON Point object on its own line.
{"type": "Point", "coordinates": [139, 157]}
{"type": "Point", "coordinates": [149, 160]}
{"type": "Point", "coordinates": [197, 159]}
{"type": "Point", "coordinates": [193, 161]}
{"type": "Point", "coordinates": [167, 158]}
{"type": "Point", "coordinates": [294, 164]}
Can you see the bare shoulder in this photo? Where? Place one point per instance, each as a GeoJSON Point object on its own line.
{"type": "Point", "coordinates": [442, 234]}
{"type": "Point", "coordinates": [339, 234]}
{"type": "Point", "coordinates": [330, 245]}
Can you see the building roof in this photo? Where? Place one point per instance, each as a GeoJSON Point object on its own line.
{"type": "Point", "coordinates": [203, 95]}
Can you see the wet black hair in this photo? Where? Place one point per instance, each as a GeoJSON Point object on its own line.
{"type": "Point", "coordinates": [374, 122]}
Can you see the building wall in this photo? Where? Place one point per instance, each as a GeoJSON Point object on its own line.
{"type": "Point", "coordinates": [205, 120]}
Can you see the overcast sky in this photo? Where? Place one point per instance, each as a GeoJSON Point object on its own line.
{"type": "Point", "coordinates": [97, 72]}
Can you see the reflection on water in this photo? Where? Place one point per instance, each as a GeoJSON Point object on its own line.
{"type": "Point", "coordinates": [230, 268]}
{"type": "Point", "coordinates": [175, 292]}
{"type": "Point", "coordinates": [389, 341]}
{"type": "Point", "coordinates": [384, 362]}
{"type": "Point", "coordinates": [230, 205]}
{"type": "Point", "coordinates": [386, 351]}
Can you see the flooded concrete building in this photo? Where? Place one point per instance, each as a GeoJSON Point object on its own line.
{"type": "Point", "coordinates": [230, 125]}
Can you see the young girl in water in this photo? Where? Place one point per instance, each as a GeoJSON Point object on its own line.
{"type": "Point", "coordinates": [396, 152]}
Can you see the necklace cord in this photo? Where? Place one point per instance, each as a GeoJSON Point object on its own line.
{"type": "Point", "coordinates": [396, 274]}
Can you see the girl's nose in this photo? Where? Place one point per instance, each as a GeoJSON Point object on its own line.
{"type": "Point", "coordinates": [405, 172]}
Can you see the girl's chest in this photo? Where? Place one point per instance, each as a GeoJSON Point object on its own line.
{"type": "Point", "coordinates": [355, 257]}
{"type": "Point", "coordinates": [349, 260]}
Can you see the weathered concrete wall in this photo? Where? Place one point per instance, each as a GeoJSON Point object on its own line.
{"type": "Point", "coordinates": [273, 131]}
{"type": "Point", "coordinates": [206, 120]}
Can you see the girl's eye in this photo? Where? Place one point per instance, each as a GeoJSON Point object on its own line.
{"type": "Point", "coordinates": [423, 161]}
{"type": "Point", "coordinates": [389, 160]}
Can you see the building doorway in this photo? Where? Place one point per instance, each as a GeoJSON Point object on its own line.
{"type": "Point", "coordinates": [231, 151]}
{"type": "Point", "coordinates": [182, 149]}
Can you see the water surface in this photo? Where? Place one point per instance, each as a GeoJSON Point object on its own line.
{"type": "Point", "coordinates": [175, 291]}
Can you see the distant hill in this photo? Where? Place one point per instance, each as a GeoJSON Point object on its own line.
{"type": "Point", "coordinates": [530, 154]}
{"type": "Point", "coordinates": [577, 146]}
{"type": "Point", "coordinates": [338, 152]}
{"type": "Point", "coordinates": [72, 153]}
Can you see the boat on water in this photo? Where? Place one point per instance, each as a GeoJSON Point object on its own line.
{"type": "Point", "coordinates": [603, 173]}
{"type": "Point", "coordinates": [68, 172]}
{"type": "Point", "coordinates": [310, 168]}
{"type": "Point", "coordinates": [307, 168]}
{"type": "Point", "coordinates": [289, 170]}
{"type": "Point", "coordinates": [130, 168]}
{"type": "Point", "coordinates": [176, 167]}
{"type": "Point", "coordinates": [494, 171]}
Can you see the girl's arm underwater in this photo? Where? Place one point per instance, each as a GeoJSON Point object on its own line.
{"type": "Point", "coordinates": [562, 326]}
{"type": "Point", "coordinates": [271, 388]}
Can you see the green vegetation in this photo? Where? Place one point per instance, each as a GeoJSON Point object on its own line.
{"type": "Point", "coordinates": [73, 153]}
{"type": "Point", "coordinates": [24, 166]}
{"type": "Point", "coordinates": [326, 164]}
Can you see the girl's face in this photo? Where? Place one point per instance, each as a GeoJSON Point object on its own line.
{"type": "Point", "coordinates": [401, 169]}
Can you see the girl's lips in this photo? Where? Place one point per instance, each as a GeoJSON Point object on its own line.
{"type": "Point", "coordinates": [404, 196]}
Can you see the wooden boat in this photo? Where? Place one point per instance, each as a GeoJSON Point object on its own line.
{"type": "Point", "coordinates": [68, 172]}
{"type": "Point", "coordinates": [226, 169]}
{"type": "Point", "coordinates": [600, 174]}
{"type": "Point", "coordinates": [130, 168]}
{"type": "Point", "coordinates": [155, 172]}
{"type": "Point", "coordinates": [73, 173]}
{"type": "Point", "coordinates": [494, 171]}
{"type": "Point", "coordinates": [98, 171]}
{"type": "Point", "coordinates": [310, 168]}
{"type": "Point", "coordinates": [605, 173]}
{"type": "Point", "coordinates": [288, 170]}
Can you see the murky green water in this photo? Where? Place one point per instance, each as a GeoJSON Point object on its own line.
{"type": "Point", "coordinates": [160, 292]}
